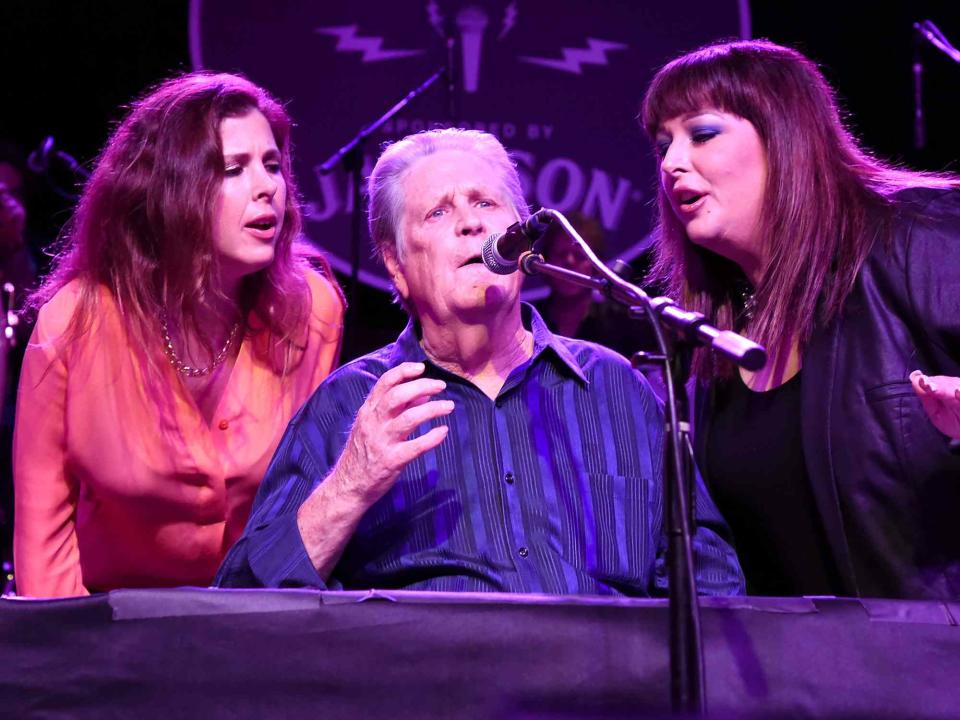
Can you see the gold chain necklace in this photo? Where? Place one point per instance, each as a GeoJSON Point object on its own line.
{"type": "Point", "coordinates": [184, 369]}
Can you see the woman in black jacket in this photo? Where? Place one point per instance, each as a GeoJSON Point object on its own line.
{"type": "Point", "coordinates": [833, 463]}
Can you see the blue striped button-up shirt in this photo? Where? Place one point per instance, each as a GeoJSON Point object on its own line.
{"type": "Point", "coordinates": [553, 487]}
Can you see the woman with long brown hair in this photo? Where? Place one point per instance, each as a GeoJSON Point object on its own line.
{"type": "Point", "coordinates": [182, 326]}
{"type": "Point", "coordinates": [774, 222]}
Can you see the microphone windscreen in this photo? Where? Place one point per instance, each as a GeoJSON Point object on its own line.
{"type": "Point", "coordinates": [492, 258]}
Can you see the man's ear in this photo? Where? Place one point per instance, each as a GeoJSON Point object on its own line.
{"type": "Point", "coordinates": [396, 273]}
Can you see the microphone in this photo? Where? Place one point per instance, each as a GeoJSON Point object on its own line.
{"type": "Point", "coordinates": [501, 251]}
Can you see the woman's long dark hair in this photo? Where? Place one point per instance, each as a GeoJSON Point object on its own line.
{"type": "Point", "coordinates": [825, 204]}
{"type": "Point", "coordinates": [143, 228]}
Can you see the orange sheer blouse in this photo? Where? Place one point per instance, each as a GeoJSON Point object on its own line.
{"type": "Point", "coordinates": [119, 480]}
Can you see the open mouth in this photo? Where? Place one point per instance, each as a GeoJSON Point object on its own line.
{"type": "Point", "coordinates": [688, 199]}
{"type": "Point", "coordinates": [263, 224]}
{"type": "Point", "coordinates": [475, 260]}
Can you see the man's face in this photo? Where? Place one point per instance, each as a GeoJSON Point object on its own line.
{"type": "Point", "coordinates": [453, 201]}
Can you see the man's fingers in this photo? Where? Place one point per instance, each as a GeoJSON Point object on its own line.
{"type": "Point", "coordinates": [413, 417]}
{"type": "Point", "coordinates": [396, 375]}
{"type": "Point", "coordinates": [412, 449]}
{"type": "Point", "coordinates": [412, 392]}
{"type": "Point", "coordinates": [400, 387]}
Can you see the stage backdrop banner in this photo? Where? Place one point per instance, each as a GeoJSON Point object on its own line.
{"type": "Point", "coordinates": [559, 82]}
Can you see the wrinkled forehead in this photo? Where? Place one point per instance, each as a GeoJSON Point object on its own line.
{"type": "Point", "coordinates": [448, 174]}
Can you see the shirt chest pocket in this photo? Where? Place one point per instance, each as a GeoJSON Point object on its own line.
{"type": "Point", "coordinates": [618, 527]}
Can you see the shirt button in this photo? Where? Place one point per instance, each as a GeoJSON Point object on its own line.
{"type": "Point", "coordinates": [499, 403]}
{"type": "Point", "coordinates": [224, 425]}
{"type": "Point", "coordinates": [523, 552]}
{"type": "Point", "coordinates": [509, 478]}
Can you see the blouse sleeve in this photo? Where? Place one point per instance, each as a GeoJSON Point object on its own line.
{"type": "Point", "coordinates": [46, 555]}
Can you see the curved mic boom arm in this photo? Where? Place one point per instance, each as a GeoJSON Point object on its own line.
{"type": "Point", "coordinates": [688, 326]}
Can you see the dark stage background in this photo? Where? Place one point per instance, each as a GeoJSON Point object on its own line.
{"type": "Point", "coordinates": [69, 67]}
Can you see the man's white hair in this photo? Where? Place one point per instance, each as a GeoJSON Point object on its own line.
{"type": "Point", "coordinates": [385, 191]}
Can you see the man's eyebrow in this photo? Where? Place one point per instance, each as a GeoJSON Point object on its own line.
{"type": "Point", "coordinates": [496, 193]}
{"type": "Point", "coordinates": [472, 192]}
{"type": "Point", "coordinates": [444, 199]}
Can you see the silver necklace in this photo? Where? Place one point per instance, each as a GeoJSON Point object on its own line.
{"type": "Point", "coordinates": [184, 369]}
{"type": "Point", "coordinates": [748, 299]}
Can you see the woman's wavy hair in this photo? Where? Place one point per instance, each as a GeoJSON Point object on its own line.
{"type": "Point", "coordinates": [826, 199]}
{"type": "Point", "coordinates": [143, 228]}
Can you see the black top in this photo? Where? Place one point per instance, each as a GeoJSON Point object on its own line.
{"type": "Point", "coordinates": [759, 480]}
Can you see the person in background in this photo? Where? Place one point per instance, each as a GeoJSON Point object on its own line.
{"type": "Point", "coordinates": [17, 266]}
{"type": "Point", "coordinates": [833, 463]}
{"type": "Point", "coordinates": [18, 276]}
{"type": "Point", "coordinates": [180, 329]}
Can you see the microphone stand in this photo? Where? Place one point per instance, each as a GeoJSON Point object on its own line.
{"type": "Point", "coordinates": [688, 329]}
{"type": "Point", "coordinates": [39, 162]}
{"type": "Point", "coordinates": [925, 30]}
{"type": "Point", "coordinates": [350, 156]}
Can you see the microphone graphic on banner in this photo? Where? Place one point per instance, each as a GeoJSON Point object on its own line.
{"type": "Point", "coordinates": [501, 251]}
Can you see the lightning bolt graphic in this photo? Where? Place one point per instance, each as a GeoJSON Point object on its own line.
{"type": "Point", "coordinates": [574, 58]}
{"type": "Point", "coordinates": [509, 20]}
{"type": "Point", "coordinates": [349, 41]}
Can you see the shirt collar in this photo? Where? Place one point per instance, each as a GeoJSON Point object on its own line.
{"type": "Point", "coordinates": [407, 347]}
{"type": "Point", "coordinates": [544, 339]}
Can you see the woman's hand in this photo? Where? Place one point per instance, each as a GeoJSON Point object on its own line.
{"type": "Point", "coordinates": [940, 395]}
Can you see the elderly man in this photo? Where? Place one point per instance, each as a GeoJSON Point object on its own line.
{"type": "Point", "coordinates": [479, 452]}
